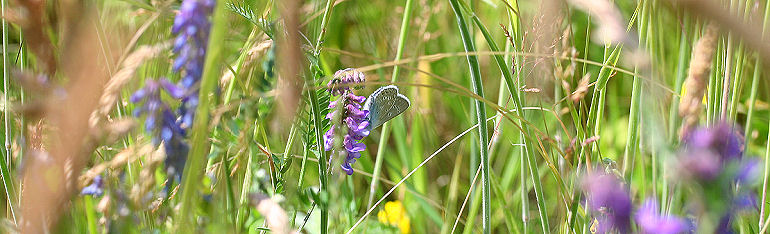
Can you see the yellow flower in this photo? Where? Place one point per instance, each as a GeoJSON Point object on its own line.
{"type": "Point", "coordinates": [684, 91]}
{"type": "Point", "coordinates": [394, 214]}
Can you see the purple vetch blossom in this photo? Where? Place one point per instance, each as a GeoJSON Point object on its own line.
{"type": "Point", "coordinates": [343, 79]}
{"type": "Point", "coordinates": [192, 27]}
{"type": "Point", "coordinates": [96, 188]}
{"type": "Point", "coordinates": [706, 151]}
{"type": "Point", "coordinates": [162, 123]}
{"type": "Point", "coordinates": [155, 109]}
{"type": "Point", "coordinates": [650, 221]}
{"type": "Point", "coordinates": [608, 197]}
{"type": "Point", "coordinates": [351, 119]}
{"type": "Point", "coordinates": [740, 203]}
{"type": "Point", "coordinates": [713, 157]}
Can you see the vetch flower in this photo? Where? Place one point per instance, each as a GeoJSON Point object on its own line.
{"type": "Point", "coordinates": [159, 117]}
{"type": "Point", "coordinates": [706, 152]}
{"type": "Point", "coordinates": [650, 221]}
{"type": "Point", "coordinates": [96, 188]}
{"type": "Point", "coordinates": [394, 214]}
{"type": "Point", "coordinates": [349, 121]}
{"type": "Point", "coordinates": [162, 122]}
{"type": "Point", "coordinates": [713, 157]}
{"type": "Point", "coordinates": [608, 197]}
{"type": "Point", "coordinates": [740, 203]}
{"type": "Point", "coordinates": [721, 139]}
{"type": "Point", "coordinates": [192, 27]}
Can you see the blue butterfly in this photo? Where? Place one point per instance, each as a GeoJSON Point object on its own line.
{"type": "Point", "coordinates": [384, 104]}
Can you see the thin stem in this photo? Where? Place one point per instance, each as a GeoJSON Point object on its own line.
{"type": "Point", "coordinates": [752, 99]}
{"type": "Point", "coordinates": [384, 134]}
{"type": "Point", "coordinates": [88, 206]}
{"type": "Point", "coordinates": [481, 115]}
{"type": "Point", "coordinates": [632, 140]}
{"type": "Point", "coordinates": [6, 117]}
{"type": "Point", "coordinates": [681, 73]}
{"type": "Point", "coordinates": [324, 21]}
{"type": "Point", "coordinates": [764, 182]}
{"type": "Point", "coordinates": [200, 129]}
{"type": "Point", "coordinates": [317, 120]}
{"type": "Point", "coordinates": [531, 157]}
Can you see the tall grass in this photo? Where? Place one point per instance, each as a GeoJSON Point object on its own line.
{"type": "Point", "coordinates": [516, 108]}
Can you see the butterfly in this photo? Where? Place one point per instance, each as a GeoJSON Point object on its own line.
{"type": "Point", "coordinates": [384, 104]}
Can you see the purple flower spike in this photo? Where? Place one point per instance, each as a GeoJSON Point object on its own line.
{"type": "Point", "coordinates": [707, 151]}
{"type": "Point", "coordinates": [608, 197]}
{"type": "Point", "coordinates": [162, 122]}
{"type": "Point", "coordinates": [721, 139]}
{"type": "Point", "coordinates": [650, 221]}
{"type": "Point", "coordinates": [96, 188]}
{"type": "Point", "coordinates": [192, 28]}
{"type": "Point", "coordinates": [351, 117]}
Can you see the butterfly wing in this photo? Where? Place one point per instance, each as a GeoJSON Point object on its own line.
{"type": "Point", "coordinates": [384, 104]}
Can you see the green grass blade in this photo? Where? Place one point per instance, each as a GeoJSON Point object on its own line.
{"type": "Point", "coordinates": [200, 129]}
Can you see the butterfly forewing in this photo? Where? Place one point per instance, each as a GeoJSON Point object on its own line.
{"type": "Point", "coordinates": [385, 104]}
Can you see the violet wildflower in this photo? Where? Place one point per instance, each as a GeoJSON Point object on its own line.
{"type": "Point", "coordinates": [742, 202]}
{"type": "Point", "coordinates": [157, 111]}
{"type": "Point", "coordinates": [161, 121]}
{"type": "Point", "coordinates": [349, 121]}
{"type": "Point", "coordinates": [96, 188]}
{"type": "Point", "coordinates": [713, 157]}
{"type": "Point", "coordinates": [608, 196]}
{"type": "Point", "coordinates": [192, 27]}
{"type": "Point", "coordinates": [707, 151]}
{"type": "Point", "coordinates": [650, 221]}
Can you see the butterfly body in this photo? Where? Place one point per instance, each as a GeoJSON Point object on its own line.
{"type": "Point", "coordinates": [385, 104]}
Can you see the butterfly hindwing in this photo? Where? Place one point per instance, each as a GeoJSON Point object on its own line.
{"type": "Point", "coordinates": [385, 104]}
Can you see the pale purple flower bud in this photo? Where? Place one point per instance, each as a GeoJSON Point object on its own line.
{"type": "Point", "coordinates": [650, 221]}
{"type": "Point", "coordinates": [609, 198]}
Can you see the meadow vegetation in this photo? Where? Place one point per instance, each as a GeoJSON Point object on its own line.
{"type": "Point", "coordinates": [262, 116]}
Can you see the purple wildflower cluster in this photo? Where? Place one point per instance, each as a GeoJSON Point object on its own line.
{"type": "Point", "coordinates": [609, 198]}
{"type": "Point", "coordinates": [96, 188]}
{"type": "Point", "coordinates": [162, 122]}
{"type": "Point", "coordinates": [349, 121]}
{"type": "Point", "coordinates": [712, 157]}
{"type": "Point", "coordinates": [650, 221]}
{"type": "Point", "coordinates": [707, 152]}
{"type": "Point", "coordinates": [192, 27]}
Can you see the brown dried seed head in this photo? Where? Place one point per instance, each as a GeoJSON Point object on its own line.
{"type": "Point", "coordinates": [582, 88]}
{"type": "Point", "coordinates": [695, 84]}
{"type": "Point", "coordinates": [121, 78]}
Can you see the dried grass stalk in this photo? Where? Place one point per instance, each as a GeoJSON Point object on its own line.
{"type": "Point", "coordinates": [121, 159]}
{"type": "Point", "coordinates": [697, 77]}
{"type": "Point", "coordinates": [121, 78]}
{"type": "Point", "coordinates": [48, 185]}
{"type": "Point", "coordinates": [34, 26]}
{"type": "Point", "coordinates": [289, 83]}
{"type": "Point", "coordinates": [147, 177]}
